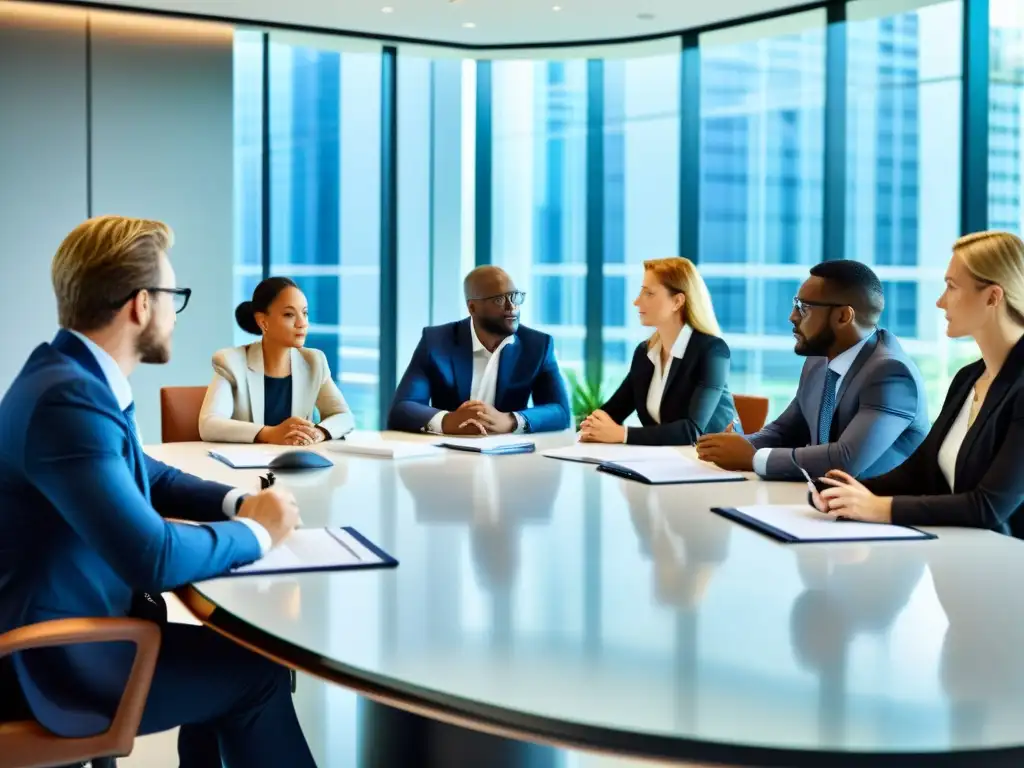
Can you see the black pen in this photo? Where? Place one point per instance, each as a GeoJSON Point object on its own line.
{"type": "Point", "coordinates": [267, 482]}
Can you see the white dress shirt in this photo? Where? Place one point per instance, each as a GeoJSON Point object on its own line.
{"type": "Point", "coordinates": [841, 364]}
{"type": "Point", "coordinates": [950, 448]}
{"type": "Point", "coordinates": [656, 391]}
{"type": "Point", "coordinates": [485, 379]}
{"type": "Point", "coordinates": [122, 390]}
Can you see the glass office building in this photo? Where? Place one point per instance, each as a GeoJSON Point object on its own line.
{"type": "Point", "coordinates": [567, 166]}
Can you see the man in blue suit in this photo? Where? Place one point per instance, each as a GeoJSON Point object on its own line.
{"type": "Point", "coordinates": [477, 376]}
{"type": "Point", "coordinates": [82, 530]}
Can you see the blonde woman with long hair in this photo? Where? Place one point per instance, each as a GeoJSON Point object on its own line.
{"type": "Point", "coordinates": [967, 472]}
{"type": "Point", "coordinates": [677, 381]}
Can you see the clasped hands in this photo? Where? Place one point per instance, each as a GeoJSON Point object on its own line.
{"type": "Point", "coordinates": [599, 427]}
{"type": "Point", "coordinates": [292, 431]}
{"type": "Point", "coordinates": [475, 417]}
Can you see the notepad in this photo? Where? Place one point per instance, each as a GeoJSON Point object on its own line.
{"type": "Point", "coordinates": [800, 523]}
{"type": "Point", "coordinates": [497, 444]}
{"type": "Point", "coordinates": [319, 549]}
{"type": "Point", "coordinates": [385, 449]}
{"type": "Point", "coordinates": [270, 457]}
{"type": "Point", "coordinates": [599, 453]}
{"type": "Point", "coordinates": [679, 469]}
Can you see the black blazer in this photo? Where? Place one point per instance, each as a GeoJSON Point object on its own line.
{"type": "Point", "coordinates": [696, 400]}
{"type": "Point", "coordinates": [989, 478]}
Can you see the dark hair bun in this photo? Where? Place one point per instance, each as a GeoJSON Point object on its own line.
{"type": "Point", "coordinates": [245, 316]}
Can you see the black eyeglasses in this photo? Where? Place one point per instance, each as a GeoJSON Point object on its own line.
{"type": "Point", "coordinates": [804, 307]}
{"type": "Point", "coordinates": [179, 296]}
{"type": "Point", "coordinates": [516, 298]}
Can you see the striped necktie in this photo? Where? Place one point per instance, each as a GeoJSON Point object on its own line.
{"type": "Point", "coordinates": [828, 405]}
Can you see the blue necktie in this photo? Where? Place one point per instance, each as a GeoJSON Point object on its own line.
{"type": "Point", "coordinates": [828, 405]}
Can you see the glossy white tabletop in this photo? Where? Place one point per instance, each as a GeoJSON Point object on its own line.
{"type": "Point", "coordinates": [576, 605]}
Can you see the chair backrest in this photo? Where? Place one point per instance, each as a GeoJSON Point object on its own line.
{"type": "Point", "coordinates": [179, 413]}
{"type": "Point", "coordinates": [752, 410]}
{"type": "Point", "coordinates": [26, 744]}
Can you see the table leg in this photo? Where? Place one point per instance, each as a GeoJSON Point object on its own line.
{"type": "Point", "coordinates": [392, 738]}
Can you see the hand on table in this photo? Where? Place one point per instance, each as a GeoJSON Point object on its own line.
{"type": "Point", "coordinates": [463, 421]}
{"type": "Point", "coordinates": [275, 509]}
{"type": "Point", "coordinates": [847, 498]}
{"type": "Point", "coordinates": [291, 431]}
{"type": "Point", "coordinates": [599, 427]}
{"type": "Point", "coordinates": [495, 421]}
{"type": "Point", "coordinates": [727, 450]}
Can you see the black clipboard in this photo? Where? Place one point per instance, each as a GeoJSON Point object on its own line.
{"type": "Point", "coordinates": [913, 534]}
{"type": "Point", "coordinates": [384, 559]}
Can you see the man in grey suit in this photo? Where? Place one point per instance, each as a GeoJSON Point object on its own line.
{"type": "Point", "coordinates": [860, 405]}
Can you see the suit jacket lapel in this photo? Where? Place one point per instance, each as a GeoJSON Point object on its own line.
{"type": "Point", "coordinates": [813, 390]}
{"type": "Point", "coordinates": [677, 365]}
{"type": "Point", "coordinates": [254, 380]}
{"type": "Point", "coordinates": [862, 357]}
{"type": "Point", "coordinates": [506, 369]}
{"type": "Point", "coordinates": [1000, 387]}
{"type": "Point", "coordinates": [301, 379]}
{"type": "Point", "coordinates": [462, 361]}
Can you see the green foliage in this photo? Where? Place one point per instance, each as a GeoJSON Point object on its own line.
{"type": "Point", "coordinates": [585, 397]}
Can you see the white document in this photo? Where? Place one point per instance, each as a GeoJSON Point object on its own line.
{"type": "Point", "coordinates": [387, 449]}
{"type": "Point", "coordinates": [489, 443]}
{"type": "Point", "coordinates": [802, 523]}
{"type": "Point", "coordinates": [310, 549]}
{"type": "Point", "coordinates": [249, 456]}
{"type": "Point", "coordinates": [679, 469]}
{"type": "Point", "coordinates": [599, 453]}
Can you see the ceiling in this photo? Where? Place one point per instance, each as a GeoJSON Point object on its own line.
{"type": "Point", "coordinates": [482, 23]}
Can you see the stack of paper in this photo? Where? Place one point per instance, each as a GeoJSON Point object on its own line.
{"type": "Point", "coordinates": [490, 445]}
{"type": "Point", "coordinates": [387, 449]}
{"type": "Point", "coordinates": [794, 523]}
{"type": "Point", "coordinates": [599, 453]}
{"type": "Point", "coordinates": [250, 456]}
{"type": "Point", "coordinates": [679, 469]}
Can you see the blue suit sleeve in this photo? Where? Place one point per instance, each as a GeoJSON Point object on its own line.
{"type": "Point", "coordinates": [410, 409]}
{"type": "Point", "coordinates": [550, 410]}
{"type": "Point", "coordinates": [177, 494]}
{"type": "Point", "coordinates": [74, 458]}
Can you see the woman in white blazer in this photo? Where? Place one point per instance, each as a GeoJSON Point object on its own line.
{"type": "Point", "coordinates": [265, 392]}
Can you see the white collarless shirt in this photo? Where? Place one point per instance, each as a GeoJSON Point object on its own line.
{"type": "Point", "coordinates": [485, 379]}
{"type": "Point", "coordinates": [841, 364]}
{"type": "Point", "coordinates": [656, 390]}
{"type": "Point", "coordinates": [122, 390]}
{"type": "Point", "coordinates": [954, 440]}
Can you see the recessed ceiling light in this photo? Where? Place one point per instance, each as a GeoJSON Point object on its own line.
{"type": "Point", "coordinates": [645, 16]}
{"type": "Point", "coordinates": [387, 9]}
{"type": "Point", "coordinates": [556, 7]}
{"type": "Point", "coordinates": [468, 24]}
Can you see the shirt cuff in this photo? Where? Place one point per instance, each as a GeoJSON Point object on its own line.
{"type": "Point", "coordinates": [230, 503]}
{"type": "Point", "coordinates": [761, 461]}
{"type": "Point", "coordinates": [520, 423]}
{"type": "Point", "coordinates": [434, 425]}
{"type": "Point", "coordinates": [625, 435]}
{"type": "Point", "coordinates": [261, 534]}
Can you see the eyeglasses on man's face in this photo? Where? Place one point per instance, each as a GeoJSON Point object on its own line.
{"type": "Point", "coordinates": [804, 307]}
{"type": "Point", "coordinates": [515, 298]}
{"type": "Point", "coordinates": [179, 297]}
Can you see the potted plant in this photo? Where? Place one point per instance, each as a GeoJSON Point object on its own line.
{"type": "Point", "coordinates": [585, 397]}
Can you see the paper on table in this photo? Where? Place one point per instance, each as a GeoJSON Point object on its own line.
{"type": "Point", "coordinates": [485, 443]}
{"type": "Point", "coordinates": [599, 453]}
{"type": "Point", "coordinates": [806, 524]}
{"type": "Point", "coordinates": [309, 549]}
{"type": "Point", "coordinates": [249, 456]}
{"type": "Point", "coordinates": [678, 469]}
{"type": "Point", "coordinates": [389, 449]}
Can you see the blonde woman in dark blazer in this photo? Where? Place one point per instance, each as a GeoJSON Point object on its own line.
{"type": "Point", "coordinates": [265, 392]}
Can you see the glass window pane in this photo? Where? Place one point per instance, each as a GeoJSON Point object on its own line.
{"type": "Point", "coordinates": [1006, 107]}
{"type": "Point", "coordinates": [539, 193]}
{"type": "Point", "coordinates": [325, 204]}
{"type": "Point", "coordinates": [904, 85]}
{"type": "Point", "coordinates": [762, 164]}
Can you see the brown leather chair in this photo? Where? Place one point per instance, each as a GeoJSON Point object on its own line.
{"type": "Point", "coordinates": [179, 413]}
{"type": "Point", "coordinates": [752, 410]}
{"type": "Point", "coordinates": [26, 744]}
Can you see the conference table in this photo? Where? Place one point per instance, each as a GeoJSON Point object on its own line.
{"type": "Point", "coordinates": [541, 604]}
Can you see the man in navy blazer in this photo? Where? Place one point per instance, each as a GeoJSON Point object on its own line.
{"type": "Point", "coordinates": [477, 376]}
{"type": "Point", "coordinates": [82, 526]}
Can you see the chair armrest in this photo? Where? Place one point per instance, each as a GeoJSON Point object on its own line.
{"type": "Point", "coordinates": [145, 635]}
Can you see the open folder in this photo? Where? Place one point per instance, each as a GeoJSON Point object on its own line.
{"type": "Point", "coordinates": [800, 523]}
{"type": "Point", "coordinates": [499, 444]}
{"type": "Point", "coordinates": [319, 549]}
{"type": "Point", "coordinates": [678, 469]}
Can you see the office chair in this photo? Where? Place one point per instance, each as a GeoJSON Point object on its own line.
{"type": "Point", "coordinates": [24, 743]}
{"type": "Point", "coordinates": [179, 413]}
{"type": "Point", "coordinates": [752, 410]}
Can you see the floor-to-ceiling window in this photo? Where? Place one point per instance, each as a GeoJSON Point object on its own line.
{"type": "Point", "coordinates": [904, 83]}
{"type": "Point", "coordinates": [640, 186]}
{"type": "Point", "coordinates": [762, 107]}
{"type": "Point", "coordinates": [1006, 110]}
{"type": "Point", "coordinates": [539, 170]}
{"type": "Point", "coordinates": [325, 111]}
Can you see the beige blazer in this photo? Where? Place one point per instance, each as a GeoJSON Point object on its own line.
{"type": "Point", "coordinates": [233, 407]}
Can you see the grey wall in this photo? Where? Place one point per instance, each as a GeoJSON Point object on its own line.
{"type": "Point", "coordinates": [42, 166]}
{"type": "Point", "coordinates": [148, 133]}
